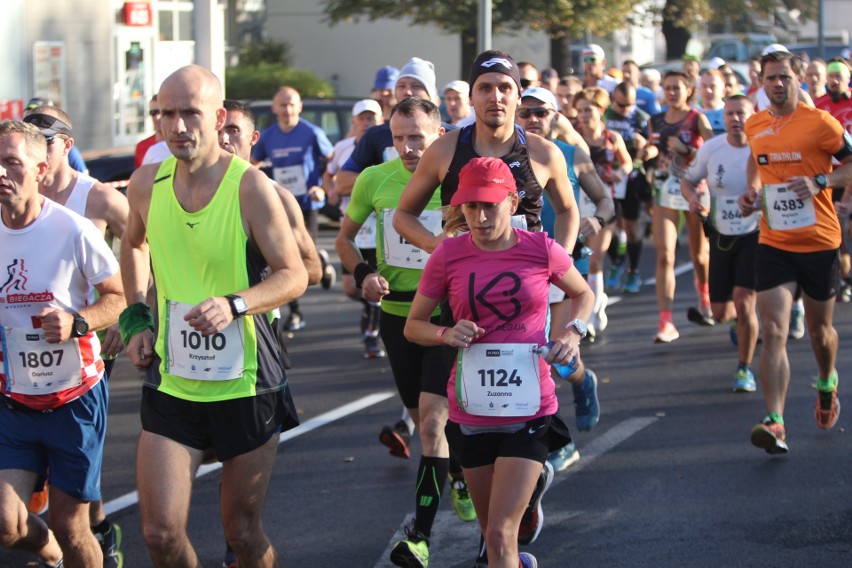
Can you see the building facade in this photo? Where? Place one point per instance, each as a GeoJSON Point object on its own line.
{"type": "Point", "coordinates": [100, 60]}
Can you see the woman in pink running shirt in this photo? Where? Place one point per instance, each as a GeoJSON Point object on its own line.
{"type": "Point", "coordinates": [502, 401]}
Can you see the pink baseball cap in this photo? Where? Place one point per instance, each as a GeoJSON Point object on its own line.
{"type": "Point", "coordinates": [488, 180]}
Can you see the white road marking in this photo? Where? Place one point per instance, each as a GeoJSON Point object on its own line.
{"type": "Point", "coordinates": [682, 269]}
{"type": "Point", "coordinates": [132, 498]}
{"type": "Point", "coordinates": [453, 542]}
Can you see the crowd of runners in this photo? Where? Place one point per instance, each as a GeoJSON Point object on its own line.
{"type": "Point", "coordinates": [482, 227]}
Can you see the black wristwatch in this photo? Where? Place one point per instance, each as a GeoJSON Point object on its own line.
{"type": "Point", "coordinates": [80, 327]}
{"type": "Point", "coordinates": [601, 220]}
{"type": "Point", "coordinates": [238, 306]}
{"type": "Point", "coordinates": [820, 180]}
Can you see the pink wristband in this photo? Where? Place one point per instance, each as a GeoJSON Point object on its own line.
{"type": "Point", "coordinates": [439, 335]}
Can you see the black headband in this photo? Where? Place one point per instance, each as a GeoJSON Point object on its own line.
{"type": "Point", "coordinates": [494, 62]}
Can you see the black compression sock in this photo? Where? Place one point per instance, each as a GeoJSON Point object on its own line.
{"type": "Point", "coordinates": [431, 479]}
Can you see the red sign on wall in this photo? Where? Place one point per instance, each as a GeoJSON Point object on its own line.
{"type": "Point", "coordinates": [11, 110]}
{"type": "Point", "coordinates": [137, 13]}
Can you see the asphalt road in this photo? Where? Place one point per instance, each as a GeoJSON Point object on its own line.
{"type": "Point", "coordinates": [668, 477]}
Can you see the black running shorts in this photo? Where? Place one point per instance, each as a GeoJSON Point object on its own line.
{"type": "Point", "coordinates": [732, 264]}
{"type": "Point", "coordinates": [533, 440]}
{"type": "Point", "coordinates": [415, 368]}
{"type": "Point", "coordinates": [230, 427]}
{"type": "Point", "coordinates": [816, 272]}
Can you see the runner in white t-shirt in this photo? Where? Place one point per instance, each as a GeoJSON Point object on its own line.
{"type": "Point", "coordinates": [365, 114]}
{"type": "Point", "coordinates": [733, 238]}
{"type": "Point", "coordinates": [52, 378]}
{"type": "Point", "coordinates": [107, 208]}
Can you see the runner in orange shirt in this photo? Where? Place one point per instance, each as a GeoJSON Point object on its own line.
{"type": "Point", "coordinates": [792, 145]}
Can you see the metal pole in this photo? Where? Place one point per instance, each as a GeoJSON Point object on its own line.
{"type": "Point", "coordinates": [821, 30]}
{"type": "Point", "coordinates": [483, 34]}
{"type": "Point", "coordinates": [210, 36]}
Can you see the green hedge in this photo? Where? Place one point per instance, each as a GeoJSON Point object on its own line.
{"type": "Point", "coordinates": [263, 80]}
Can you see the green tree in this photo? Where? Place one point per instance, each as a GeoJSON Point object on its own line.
{"type": "Point", "coordinates": [681, 17]}
{"type": "Point", "coordinates": [566, 22]}
{"type": "Point", "coordinates": [562, 19]}
{"type": "Point", "coordinates": [262, 81]}
{"type": "Point", "coordinates": [266, 52]}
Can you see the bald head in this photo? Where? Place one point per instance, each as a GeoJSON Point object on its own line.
{"type": "Point", "coordinates": [287, 106]}
{"type": "Point", "coordinates": [193, 79]}
{"type": "Point", "coordinates": [191, 112]}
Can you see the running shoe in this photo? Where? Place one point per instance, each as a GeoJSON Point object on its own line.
{"type": "Point", "coordinates": [827, 409]}
{"type": "Point", "coordinates": [667, 333]}
{"type": "Point", "coordinates": [701, 315]}
{"type": "Point", "coordinates": [294, 322]}
{"type": "Point", "coordinates": [591, 333]}
{"type": "Point", "coordinates": [797, 322]}
{"type": "Point", "coordinates": [587, 407]}
{"type": "Point", "coordinates": [601, 315]}
{"type": "Point", "coordinates": [39, 501]}
{"type": "Point", "coordinates": [744, 380]}
{"type": "Point", "coordinates": [633, 284]}
{"type": "Point", "coordinates": [732, 333]}
{"type": "Point", "coordinates": [844, 294]}
{"type": "Point", "coordinates": [397, 438]}
{"type": "Point", "coordinates": [329, 274]}
{"type": "Point", "coordinates": [770, 436]}
{"type": "Point", "coordinates": [527, 560]}
{"type": "Point", "coordinates": [372, 349]}
{"type": "Point", "coordinates": [110, 542]}
{"type": "Point", "coordinates": [230, 560]}
{"type": "Point", "coordinates": [462, 503]}
{"type": "Point", "coordinates": [533, 518]}
{"type": "Point", "coordinates": [564, 457]}
{"type": "Point", "coordinates": [412, 551]}
{"type": "Point", "coordinates": [613, 277]}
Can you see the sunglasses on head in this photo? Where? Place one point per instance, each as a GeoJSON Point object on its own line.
{"type": "Point", "coordinates": [536, 112]}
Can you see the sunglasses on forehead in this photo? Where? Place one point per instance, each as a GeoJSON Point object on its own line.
{"type": "Point", "coordinates": [536, 112]}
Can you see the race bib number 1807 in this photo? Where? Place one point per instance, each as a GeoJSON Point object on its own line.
{"type": "Point", "coordinates": [33, 366]}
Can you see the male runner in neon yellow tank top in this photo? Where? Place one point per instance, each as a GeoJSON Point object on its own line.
{"type": "Point", "coordinates": [214, 372]}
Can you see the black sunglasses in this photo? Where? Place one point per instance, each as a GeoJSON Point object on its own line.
{"type": "Point", "coordinates": [526, 83]}
{"type": "Point", "coordinates": [154, 113]}
{"type": "Point", "coordinates": [536, 112]}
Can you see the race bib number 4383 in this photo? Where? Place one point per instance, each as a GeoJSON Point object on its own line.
{"type": "Point", "coordinates": [784, 210]}
{"type": "Point", "coordinates": [498, 379]}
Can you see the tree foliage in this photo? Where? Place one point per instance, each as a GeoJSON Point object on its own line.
{"type": "Point", "coordinates": [255, 53]}
{"type": "Point", "coordinates": [574, 18]}
{"type": "Point", "coordinates": [695, 15]}
{"type": "Point", "coordinates": [262, 81]}
{"type": "Point", "coordinates": [559, 18]}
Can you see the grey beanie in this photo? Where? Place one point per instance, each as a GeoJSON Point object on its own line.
{"type": "Point", "coordinates": [423, 71]}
